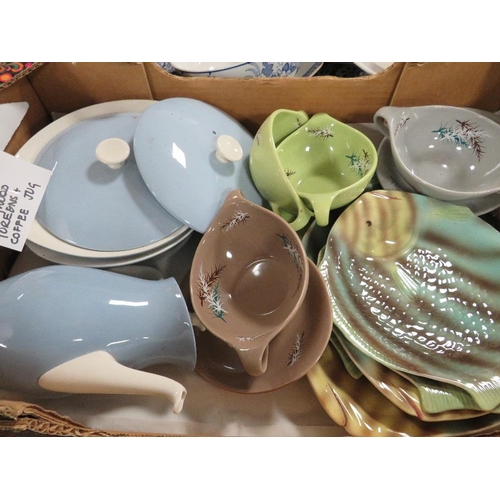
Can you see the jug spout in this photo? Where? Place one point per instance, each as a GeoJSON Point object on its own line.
{"type": "Point", "coordinates": [99, 373]}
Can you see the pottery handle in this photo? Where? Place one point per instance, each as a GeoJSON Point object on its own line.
{"type": "Point", "coordinates": [99, 373]}
{"type": "Point", "coordinates": [381, 119]}
{"type": "Point", "coordinates": [254, 360]}
{"type": "Point", "coordinates": [297, 221]}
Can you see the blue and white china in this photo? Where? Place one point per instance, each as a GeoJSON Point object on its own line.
{"type": "Point", "coordinates": [184, 151]}
{"type": "Point", "coordinates": [303, 69]}
{"type": "Point", "coordinates": [67, 329]}
{"type": "Point", "coordinates": [236, 69]}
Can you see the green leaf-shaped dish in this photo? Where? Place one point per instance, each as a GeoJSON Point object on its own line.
{"type": "Point", "coordinates": [415, 284]}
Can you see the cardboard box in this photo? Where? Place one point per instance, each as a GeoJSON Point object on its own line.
{"type": "Point", "coordinates": [65, 87]}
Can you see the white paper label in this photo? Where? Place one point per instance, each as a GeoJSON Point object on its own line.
{"type": "Point", "coordinates": [22, 186]}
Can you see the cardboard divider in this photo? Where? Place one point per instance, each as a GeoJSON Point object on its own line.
{"type": "Point", "coordinates": [472, 85]}
{"type": "Point", "coordinates": [251, 101]}
{"type": "Point", "coordinates": [36, 118]}
{"type": "Point", "coordinates": [65, 87]}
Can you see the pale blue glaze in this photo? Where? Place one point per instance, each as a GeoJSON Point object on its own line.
{"type": "Point", "coordinates": [91, 205]}
{"type": "Point", "coordinates": [175, 143]}
{"type": "Point", "coordinates": [57, 313]}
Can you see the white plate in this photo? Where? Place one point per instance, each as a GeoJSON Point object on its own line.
{"type": "Point", "coordinates": [104, 261]}
{"type": "Point", "coordinates": [373, 67]}
{"type": "Point", "coordinates": [308, 69]}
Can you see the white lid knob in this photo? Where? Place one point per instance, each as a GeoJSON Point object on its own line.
{"type": "Point", "coordinates": [228, 149]}
{"type": "Point", "coordinates": [113, 152]}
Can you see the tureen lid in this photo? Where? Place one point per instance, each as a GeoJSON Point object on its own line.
{"type": "Point", "coordinates": [96, 197]}
{"type": "Point", "coordinates": [191, 155]}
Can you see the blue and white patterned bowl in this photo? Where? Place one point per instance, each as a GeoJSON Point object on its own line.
{"type": "Point", "coordinates": [233, 69]}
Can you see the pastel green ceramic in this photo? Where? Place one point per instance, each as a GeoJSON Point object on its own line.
{"type": "Point", "coordinates": [415, 284]}
{"type": "Point", "coordinates": [428, 400]}
{"type": "Point", "coordinates": [328, 163]}
{"type": "Point", "coordinates": [269, 178]}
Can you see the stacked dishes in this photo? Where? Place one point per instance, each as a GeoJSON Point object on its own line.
{"type": "Point", "coordinates": [308, 166]}
{"type": "Point", "coordinates": [263, 305]}
{"type": "Point", "coordinates": [445, 152]}
{"type": "Point", "coordinates": [242, 69]}
{"type": "Point", "coordinates": [415, 317]}
{"type": "Point", "coordinates": [115, 197]}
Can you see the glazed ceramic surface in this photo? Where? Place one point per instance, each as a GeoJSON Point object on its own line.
{"type": "Point", "coordinates": [270, 179]}
{"type": "Point", "coordinates": [59, 252]}
{"type": "Point", "coordinates": [310, 166]}
{"type": "Point", "coordinates": [373, 67]}
{"type": "Point", "coordinates": [236, 69]}
{"type": "Point", "coordinates": [362, 410]}
{"type": "Point", "coordinates": [328, 163]}
{"type": "Point", "coordinates": [175, 145]}
{"type": "Point", "coordinates": [446, 152]}
{"type": "Point", "coordinates": [402, 392]}
{"type": "Point", "coordinates": [86, 203]}
{"type": "Point", "coordinates": [291, 353]}
{"type": "Point", "coordinates": [304, 69]}
{"type": "Point", "coordinates": [427, 399]}
{"type": "Point", "coordinates": [415, 284]}
{"type": "Point", "coordinates": [56, 314]}
{"type": "Point", "coordinates": [248, 279]}
{"type": "Point", "coordinates": [390, 179]}
{"type": "Point", "coordinates": [44, 240]}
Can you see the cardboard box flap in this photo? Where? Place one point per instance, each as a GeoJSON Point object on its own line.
{"type": "Point", "coordinates": [474, 85]}
{"type": "Point", "coordinates": [11, 72]}
{"type": "Point", "coordinates": [17, 417]}
{"type": "Point", "coordinates": [65, 87]}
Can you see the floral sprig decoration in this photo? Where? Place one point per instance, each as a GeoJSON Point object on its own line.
{"type": "Point", "coordinates": [296, 351]}
{"type": "Point", "coordinates": [209, 292]}
{"type": "Point", "coordinates": [465, 134]}
{"type": "Point", "coordinates": [360, 163]}
{"type": "Point", "coordinates": [403, 120]}
{"type": "Point", "coordinates": [321, 133]}
{"type": "Point", "coordinates": [294, 254]}
{"type": "Point", "coordinates": [238, 218]}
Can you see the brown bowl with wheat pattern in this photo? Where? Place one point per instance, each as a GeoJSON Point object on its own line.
{"type": "Point", "coordinates": [292, 353]}
{"type": "Point", "coordinates": [248, 279]}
